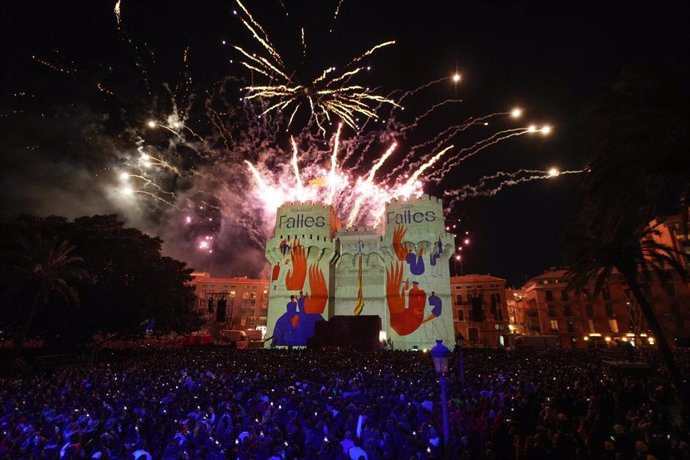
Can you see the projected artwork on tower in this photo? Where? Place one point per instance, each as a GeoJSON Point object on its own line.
{"type": "Point", "coordinates": [397, 270]}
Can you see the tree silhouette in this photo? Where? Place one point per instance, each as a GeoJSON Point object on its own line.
{"type": "Point", "coordinates": [132, 282]}
{"type": "Point", "coordinates": [637, 165]}
{"type": "Point", "coordinates": [640, 260]}
{"type": "Point", "coordinates": [40, 272]}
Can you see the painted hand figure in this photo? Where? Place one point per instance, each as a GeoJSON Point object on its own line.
{"type": "Point", "coordinates": [403, 320]}
{"type": "Point", "coordinates": [294, 281]}
{"type": "Point", "coordinates": [402, 252]}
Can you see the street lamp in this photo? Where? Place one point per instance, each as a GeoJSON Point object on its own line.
{"type": "Point", "coordinates": [461, 360]}
{"type": "Point", "coordinates": [440, 354]}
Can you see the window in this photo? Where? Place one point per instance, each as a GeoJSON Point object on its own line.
{"type": "Point", "coordinates": [549, 295]}
{"type": "Point", "coordinates": [552, 310]}
{"type": "Point", "coordinates": [458, 299]}
{"type": "Point", "coordinates": [554, 325]}
{"type": "Point", "coordinates": [613, 325]}
{"type": "Point", "coordinates": [592, 325]}
{"type": "Point", "coordinates": [590, 309]}
{"type": "Point", "coordinates": [585, 293]}
{"type": "Point", "coordinates": [567, 311]}
{"type": "Point", "coordinates": [496, 306]}
{"type": "Point", "coordinates": [570, 324]}
{"type": "Point", "coordinates": [564, 295]}
{"type": "Point", "coordinates": [461, 315]}
{"type": "Point", "coordinates": [609, 309]}
{"type": "Point", "coordinates": [605, 293]}
{"type": "Point", "coordinates": [477, 312]}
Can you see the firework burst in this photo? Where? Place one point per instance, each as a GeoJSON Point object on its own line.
{"type": "Point", "coordinates": [329, 95]}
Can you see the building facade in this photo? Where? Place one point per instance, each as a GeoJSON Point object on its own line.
{"type": "Point", "coordinates": [398, 271]}
{"type": "Point", "coordinates": [549, 307]}
{"type": "Point", "coordinates": [673, 232]}
{"type": "Point", "coordinates": [516, 319]}
{"type": "Point", "coordinates": [480, 310]}
{"type": "Point", "coordinates": [231, 303]}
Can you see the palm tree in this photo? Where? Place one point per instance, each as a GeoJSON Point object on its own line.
{"type": "Point", "coordinates": [38, 272]}
{"type": "Point", "coordinates": [639, 259]}
{"type": "Point", "coordinates": [637, 161]}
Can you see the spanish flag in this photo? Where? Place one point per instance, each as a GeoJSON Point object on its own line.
{"type": "Point", "coordinates": [318, 182]}
{"type": "Point", "coordinates": [360, 297]}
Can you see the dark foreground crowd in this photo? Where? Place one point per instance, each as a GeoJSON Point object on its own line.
{"type": "Point", "coordinates": [280, 404]}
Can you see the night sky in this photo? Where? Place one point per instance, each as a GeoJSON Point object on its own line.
{"type": "Point", "coordinates": [59, 131]}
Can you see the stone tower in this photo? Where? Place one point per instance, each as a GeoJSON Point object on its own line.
{"type": "Point", "coordinates": [398, 271]}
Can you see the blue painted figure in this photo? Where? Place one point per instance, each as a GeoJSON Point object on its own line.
{"type": "Point", "coordinates": [437, 307]}
{"type": "Point", "coordinates": [416, 263]}
{"type": "Point", "coordinates": [435, 255]}
{"type": "Point", "coordinates": [288, 330]}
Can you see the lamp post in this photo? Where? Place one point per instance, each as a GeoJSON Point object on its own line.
{"type": "Point", "coordinates": [440, 354]}
{"type": "Point", "coordinates": [461, 361]}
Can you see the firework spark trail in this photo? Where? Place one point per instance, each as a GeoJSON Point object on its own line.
{"type": "Point", "coordinates": [124, 177]}
{"type": "Point", "coordinates": [54, 67]}
{"type": "Point", "coordinates": [370, 139]}
{"type": "Point", "coordinates": [414, 91]}
{"type": "Point", "coordinates": [265, 42]}
{"type": "Point", "coordinates": [334, 162]}
{"type": "Point", "coordinates": [323, 75]}
{"type": "Point", "coordinates": [304, 44]}
{"type": "Point", "coordinates": [429, 111]}
{"type": "Point", "coordinates": [139, 61]}
{"type": "Point", "coordinates": [369, 52]}
{"type": "Point", "coordinates": [379, 163]}
{"type": "Point", "coordinates": [295, 165]}
{"type": "Point", "coordinates": [481, 145]}
{"type": "Point", "coordinates": [447, 134]}
{"type": "Point", "coordinates": [156, 197]}
{"type": "Point", "coordinates": [104, 89]}
{"type": "Point", "coordinates": [285, 10]}
{"type": "Point", "coordinates": [510, 179]}
{"type": "Point", "coordinates": [366, 185]}
{"type": "Point", "coordinates": [335, 14]}
{"type": "Point", "coordinates": [413, 178]}
{"type": "Point", "coordinates": [186, 82]}
{"type": "Point", "coordinates": [256, 174]}
{"type": "Point", "coordinates": [147, 160]}
{"type": "Point", "coordinates": [468, 152]}
{"type": "Point", "coordinates": [441, 138]}
{"type": "Point", "coordinates": [117, 11]}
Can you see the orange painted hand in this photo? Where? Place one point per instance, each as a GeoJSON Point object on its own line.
{"type": "Point", "coordinates": [294, 281]}
{"type": "Point", "coordinates": [316, 302]}
{"type": "Point", "coordinates": [394, 296]}
{"type": "Point", "coordinates": [398, 246]}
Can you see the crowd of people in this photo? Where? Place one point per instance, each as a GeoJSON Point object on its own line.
{"type": "Point", "coordinates": [213, 403]}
